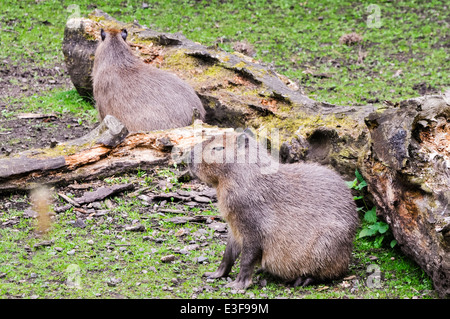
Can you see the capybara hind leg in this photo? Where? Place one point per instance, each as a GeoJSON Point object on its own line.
{"type": "Point", "coordinates": [232, 252]}
{"type": "Point", "coordinates": [303, 281]}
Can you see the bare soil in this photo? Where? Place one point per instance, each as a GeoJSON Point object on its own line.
{"type": "Point", "coordinates": [18, 134]}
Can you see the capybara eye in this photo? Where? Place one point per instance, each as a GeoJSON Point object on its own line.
{"type": "Point", "coordinates": [103, 34]}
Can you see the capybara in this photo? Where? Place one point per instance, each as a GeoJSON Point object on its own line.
{"type": "Point", "coordinates": [142, 97]}
{"type": "Point", "coordinates": [298, 221]}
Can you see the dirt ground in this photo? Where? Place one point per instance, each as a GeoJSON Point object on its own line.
{"type": "Point", "coordinates": [26, 80]}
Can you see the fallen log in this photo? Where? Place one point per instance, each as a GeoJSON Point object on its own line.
{"type": "Point", "coordinates": [236, 90]}
{"type": "Point", "coordinates": [407, 168]}
{"type": "Point", "coordinates": [103, 152]}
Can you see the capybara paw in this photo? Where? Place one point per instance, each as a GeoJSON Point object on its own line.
{"type": "Point", "coordinates": [239, 285]}
{"type": "Point", "coordinates": [304, 281]}
{"type": "Point", "coordinates": [213, 275]}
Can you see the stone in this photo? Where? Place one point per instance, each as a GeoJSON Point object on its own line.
{"type": "Point", "coordinates": [136, 228]}
{"type": "Point", "coordinates": [202, 199]}
{"type": "Point", "coordinates": [79, 223]}
{"type": "Point", "coordinates": [29, 213]}
{"type": "Point", "coordinates": [113, 282]}
{"type": "Point", "coordinates": [168, 258]}
{"type": "Point", "coordinates": [202, 259]}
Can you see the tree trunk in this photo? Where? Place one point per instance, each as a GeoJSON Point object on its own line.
{"type": "Point", "coordinates": [236, 90]}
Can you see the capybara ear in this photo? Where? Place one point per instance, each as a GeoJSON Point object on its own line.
{"type": "Point", "coordinates": [103, 34]}
{"type": "Point", "coordinates": [124, 34]}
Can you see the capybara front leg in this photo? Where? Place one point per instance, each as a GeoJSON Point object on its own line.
{"type": "Point", "coordinates": [232, 252]}
{"type": "Point", "coordinates": [251, 254]}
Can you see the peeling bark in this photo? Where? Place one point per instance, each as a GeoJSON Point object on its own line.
{"type": "Point", "coordinates": [408, 173]}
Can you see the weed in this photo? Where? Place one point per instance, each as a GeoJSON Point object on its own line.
{"type": "Point", "coordinates": [371, 226]}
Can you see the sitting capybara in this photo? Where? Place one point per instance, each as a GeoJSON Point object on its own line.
{"type": "Point", "coordinates": [142, 97]}
{"type": "Point", "coordinates": [298, 220]}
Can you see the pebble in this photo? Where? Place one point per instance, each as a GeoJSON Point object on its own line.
{"type": "Point", "coordinates": [263, 282]}
{"type": "Point", "coordinates": [168, 258]}
{"type": "Point", "coordinates": [96, 205]}
{"type": "Point", "coordinates": [191, 247]}
{"type": "Point", "coordinates": [71, 252]}
{"type": "Point", "coordinates": [202, 259]}
{"type": "Point", "coordinates": [29, 213]}
{"type": "Point", "coordinates": [79, 223]}
{"type": "Point", "coordinates": [114, 281]}
{"type": "Point", "coordinates": [90, 242]}
{"type": "Point", "coordinates": [59, 249]}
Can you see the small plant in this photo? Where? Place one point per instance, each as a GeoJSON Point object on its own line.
{"type": "Point", "coordinates": [371, 226]}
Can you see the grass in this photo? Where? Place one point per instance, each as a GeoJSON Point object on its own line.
{"type": "Point", "coordinates": [299, 39]}
{"type": "Point", "coordinates": [293, 36]}
{"type": "Point", "coordinates": [104, 251]}
{"type": "Point", "coordinates": [56, 101]}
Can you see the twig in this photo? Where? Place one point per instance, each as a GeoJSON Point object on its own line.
{"type": "Point", "coordinates": [69, 200]}
{"type": "Point", "coordinates": [81, 210]}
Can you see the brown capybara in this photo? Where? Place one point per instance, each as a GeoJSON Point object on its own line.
{"type": "Point", "coordinates": [142, 97]}
{"type": "Point", "coordinates": [297, 220]}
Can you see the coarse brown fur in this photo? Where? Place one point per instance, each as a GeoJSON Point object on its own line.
{"type": "Point", "coordinates": [298, 220]}
{"type": "Point", "coordinates": [141, 96]}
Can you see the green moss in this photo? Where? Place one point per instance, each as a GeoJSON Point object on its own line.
{"type": "Point", "coordinates": [240, 65]}
{"type": "Point", "coordinates": [179, 60]}
{"type": "Point", "coordinates": [304, 124]}
{"type": "Point", "coordinates": [61, 150]}
{"type": "Point", "coordinates": [96, 18]}
{"type": "Point", "coordinates": [215, 71]}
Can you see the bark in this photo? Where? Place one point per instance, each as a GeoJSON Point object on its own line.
{"type": "Point", "coordinates": [407, 167]}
